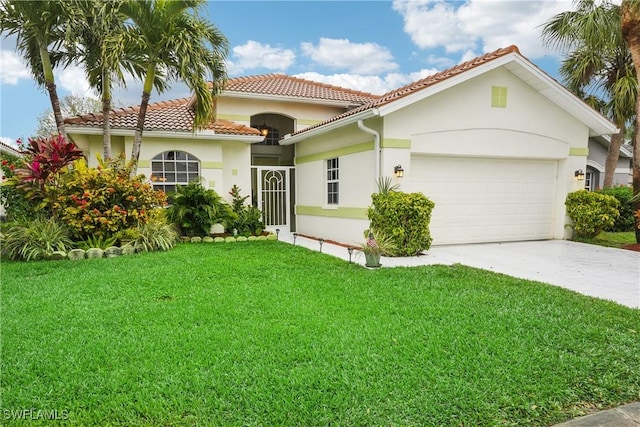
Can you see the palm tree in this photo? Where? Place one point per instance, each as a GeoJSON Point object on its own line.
{"type": "Point", "coordinates": [630, 27]}
{"type": "Point", "coordinates": [100, 21]}
{"type": "Point", "coordinates": [40, 28]}
{"type": "Point", "coordinates": [598, 67]}
{"type": "Point", "coordinates": [173, 42]}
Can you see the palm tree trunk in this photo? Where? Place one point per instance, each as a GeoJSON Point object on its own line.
{"type": "Point", "coordinates": [630, 19]}
{"type": "Point", "coordinates": [51, 89]}
{"type": "Point", "coordinates": [144, 103]}
{"type": "Point", "coordinates": [106, 119]}
{"type": "Point", "coordinates": [613, 154]}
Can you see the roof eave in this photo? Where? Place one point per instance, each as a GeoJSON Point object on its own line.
{"type": "Point", "coordinates": [206, 134]}
{"type": "Point", "coordinates": [288, 139]}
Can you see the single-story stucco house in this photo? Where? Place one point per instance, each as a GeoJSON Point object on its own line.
{"type": "Point", "coordinates": [495, 142]}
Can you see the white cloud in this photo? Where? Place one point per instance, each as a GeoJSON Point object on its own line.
{"type": "Point", "coordinates": [479, 25]}
{"type": "Point", "coordinates": [253, 55]}
{"type": "Point", "coordinates": [357, 58]}
{"type": "Point", "coordinates": [12, 68]}
{"type": "Point", "coordinates": [72, 79]}
{"type": "Point", "coordinates": [372, 84]}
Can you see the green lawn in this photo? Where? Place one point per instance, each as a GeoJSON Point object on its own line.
{"type": "Point", "coordinates": [265, 333]}
{"type": "Point", "coordinates": [610, 239]}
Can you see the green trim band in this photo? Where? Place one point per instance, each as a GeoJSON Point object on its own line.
{"type": "Point", "coordinates": [212, 165]}
{"type": "Point", "coordinates": [351, 213]}
{"type": "Point", "coordinates": [144, 163]}
{"type": "Point", "coordinates": [344, 151]}
{"type": "Point", "coordinates": [395, 143]}
{"type": "Point", "coordinates": [234, 117]}
{"type": "Point", "coordinates": [574, 151]}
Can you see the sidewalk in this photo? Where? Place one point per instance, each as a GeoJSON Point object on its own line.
{"type": "Point", "coordinates": [622, 416]}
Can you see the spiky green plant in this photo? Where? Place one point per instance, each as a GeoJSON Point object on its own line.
{"type": "Point", "coordinates": [35, 239]}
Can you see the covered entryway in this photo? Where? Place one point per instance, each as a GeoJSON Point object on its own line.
{"type": "Point", "coordinates": [274, 196]}
{"type": "Point", "coordinates": [487, 199]}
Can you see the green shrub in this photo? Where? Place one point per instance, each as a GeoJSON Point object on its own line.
{"type": "Point", "coordinates": [195, 209]}
{"type": "Point", "coordinates": [248, 220]}
{"type": "Point", "coordinates": [102, 201]}
{"type": "Point", "coordinates": [404, 219]}
{"type": "Point", "coordinates": [156, 234]}
{"type": "Point", "coordinates": [625, 221]}
{"type": "Point", "coordinates": [100, 242]}
{"type": "Point", "coordinates": [591, 212]}
{"type": "Point", "coordinates": [34, 239]}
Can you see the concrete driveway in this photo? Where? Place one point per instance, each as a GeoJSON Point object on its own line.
{"type": "Point", "coordinates": [607, 273]}
{"type": "Point", "coordinates": [612, 274]}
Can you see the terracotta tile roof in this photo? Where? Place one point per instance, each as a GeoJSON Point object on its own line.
{"type": "Point", "coordinates": [174, 115]}
{"type": "Point", "coordinates": [283, 85]}
{"type": "Point", "coordinates": [419, 85]}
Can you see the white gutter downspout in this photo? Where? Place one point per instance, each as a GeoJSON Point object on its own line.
{"type": "Point", "coordinates": [376, 145]}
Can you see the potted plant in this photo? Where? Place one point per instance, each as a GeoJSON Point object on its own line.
{"type": "Point", "coordinates": [373, 248]}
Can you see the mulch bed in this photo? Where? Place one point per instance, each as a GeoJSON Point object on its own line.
{"type": "Point", "coordinates": [632, 247]}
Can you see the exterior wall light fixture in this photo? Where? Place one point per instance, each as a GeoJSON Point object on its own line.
{"type": "Point", "coordinates": [579, 175]}
{"type": "Point", "coordinates": [398, 171]}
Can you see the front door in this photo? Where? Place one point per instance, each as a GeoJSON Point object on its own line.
{"type": "Point", "coordinates": [273, 190]}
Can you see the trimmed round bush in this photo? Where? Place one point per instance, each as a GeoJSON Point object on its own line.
{"type": "Point", "coordinates": [591, 212]}
{"type": "Point", "coordinates": [404, 219]}
{"type": "Point", "coordinates": [626, 220]}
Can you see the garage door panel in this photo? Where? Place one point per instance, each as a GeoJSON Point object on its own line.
{"type": "Point", "coordinates": [487, 200]}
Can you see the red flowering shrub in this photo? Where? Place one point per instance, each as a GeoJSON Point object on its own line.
{"type": "Point", "coordinates": [102, 201]}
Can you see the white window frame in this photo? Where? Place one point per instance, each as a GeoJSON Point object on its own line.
{"type": "Point", "coordinates": [333, 182]}
{"type": "Point", "coordinates": [588, 180]}
{"type": "Point", "coordinates": [172, 168]}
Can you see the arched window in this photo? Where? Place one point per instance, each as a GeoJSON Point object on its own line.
{"type": "Point", "coordinates": [273, 136]}
{"type": "Point", "coordinates": [173, 168]}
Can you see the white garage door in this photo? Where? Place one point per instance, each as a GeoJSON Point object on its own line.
{"type": "Point", "coordinates": [487, 200]}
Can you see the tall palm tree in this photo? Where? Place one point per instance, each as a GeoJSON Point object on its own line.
{"type": "Point", "coordinates": [101, 20]}
{"type": "Point", "coordinates": [630, 26]}
{"type": "Point", "coordinates": [41, 28]}
{"type": "Point", "coordinates": [173, 42]}
{"type": "Point", "coordinates": [598, 65]}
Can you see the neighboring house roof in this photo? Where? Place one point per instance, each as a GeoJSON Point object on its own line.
{"type": "Point", "coordinates": [509, 57]}
{"type": "Point", "coordinates": [6, 148]}
{"type": "Point", "coordinates": [283, 86]}
{"type": "Point", "coordinates": [174, 115]}
{"type": "Point", "coordinates": [626, 150]}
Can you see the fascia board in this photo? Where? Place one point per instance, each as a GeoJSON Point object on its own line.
{"type": "Point", "coordinates": [249, 139]}
{"type": "Point", "coordinates": [288, 139]}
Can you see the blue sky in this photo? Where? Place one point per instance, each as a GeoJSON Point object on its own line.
{"type": "Point", "coordinates": [373, 46]}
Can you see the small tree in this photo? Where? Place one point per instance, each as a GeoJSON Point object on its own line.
{"type": "Point", "coordinates": [195, 210]}
{"type": "Point", "coordinates": [248, 220]}
{"type": "Point", "coordinates": [71, 105]}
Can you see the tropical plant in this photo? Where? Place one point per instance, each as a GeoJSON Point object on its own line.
{"type": "Point", "coordinates": [385, 185]}
{"type": "Point", "coordinates": [196, 209]}
{"type": "Point", "coordinates": [591, 212]}
{"type": "Point", "coordinates": [598, 64]}
{"type": "Point", "coordinates": [41, 28]}
{"type": "Point", "coordinates": [248, 220]}
{"type": "Point", "coordinates": [171, 41]}
{"type": "Point", "coordinates": [630, 25]}
{"type": "Point", "coordinates": [34, 239]}
{"type": "Point", "coordinates": [101, 20]}
{"type": "Point", "coordinates": [156, 234]}
{"type": "Point", "coordinates": [96, 241]}
{"type": "Point", "coordinates": [102, 201]}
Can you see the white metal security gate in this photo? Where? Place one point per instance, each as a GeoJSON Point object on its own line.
{"type": "Point", "coordinates": [273, 196]}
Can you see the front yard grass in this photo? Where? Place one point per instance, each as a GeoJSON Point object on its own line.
{"type": "Point", "coordinates": [611, 239]}
{"type": "Point", "coordinates": [265, 333]}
